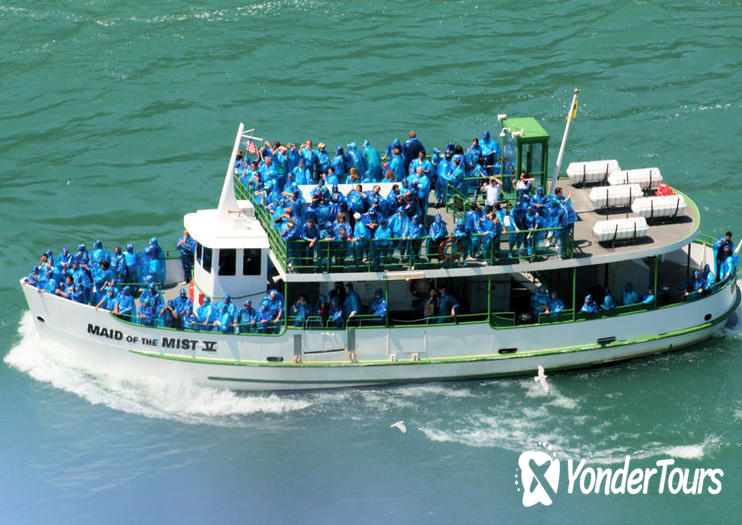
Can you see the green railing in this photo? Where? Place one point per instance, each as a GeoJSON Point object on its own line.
{"type": "Point", "coordinates": [368, 255]}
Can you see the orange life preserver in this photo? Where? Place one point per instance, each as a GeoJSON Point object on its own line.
{"type": "Point", "coordinates": [450, 241]}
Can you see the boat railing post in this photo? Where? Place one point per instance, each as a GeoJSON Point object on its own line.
{"type": "Point", "coordinates": [574, 293]}
{"type": "Point", "coordinates": [656, 279]}
{"type": "Point", "coordinates": [386, 298]}
{"type": "Point", "coordinates": [489, 297]}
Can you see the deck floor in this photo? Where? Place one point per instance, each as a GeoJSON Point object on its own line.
{"type": "Point", "coordinates": [660, 232]}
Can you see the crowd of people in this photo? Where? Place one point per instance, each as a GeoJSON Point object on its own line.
{"type": "Point", "coordinates": [91, 276]}
{"type": "Point", "coordinates": [370, 227]}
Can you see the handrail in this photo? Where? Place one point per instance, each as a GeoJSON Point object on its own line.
{"type": "Point", "coordinates": [378, 254]}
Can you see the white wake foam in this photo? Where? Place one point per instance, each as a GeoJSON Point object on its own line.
{"type": "Point", "coordinates": [156, 397]}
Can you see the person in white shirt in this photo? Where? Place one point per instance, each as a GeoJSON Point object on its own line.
{"type": "Point", "coordinates": [523, 185]}
{"type": "Point", "coordinates": [492, 191]}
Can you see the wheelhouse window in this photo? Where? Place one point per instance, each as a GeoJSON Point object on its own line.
{"type": "Point", "coordinates": [251, 262]}
{"type": "Point", "coordinates": [199, 249]}
{"type": "Point", "coordinates": [207, 259]}
{"type": "Point", "coordinates": [227, 261]}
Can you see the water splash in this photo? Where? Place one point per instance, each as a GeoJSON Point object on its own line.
{"type": "Point", "coordinates": [155, 397]}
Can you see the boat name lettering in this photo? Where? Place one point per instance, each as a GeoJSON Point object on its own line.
{"type": "Point", "coordinates": [170, 343]}
{"type": "Point", "coordinates": [110, 333]}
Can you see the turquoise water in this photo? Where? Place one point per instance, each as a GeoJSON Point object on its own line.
{"type": "Point", "coordinates": [118, 118]}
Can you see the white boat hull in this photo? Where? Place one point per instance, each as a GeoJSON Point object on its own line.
{"type": "Point", "coordinates": [383, 355]}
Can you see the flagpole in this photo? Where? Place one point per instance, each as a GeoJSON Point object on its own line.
{"type": "Point", "coordinates": [572, 108]}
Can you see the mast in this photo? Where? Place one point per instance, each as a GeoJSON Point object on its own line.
{"type": "Point", "coordinates": [227, 200]}
{"type": "Point", "coordinates": [572, 111]}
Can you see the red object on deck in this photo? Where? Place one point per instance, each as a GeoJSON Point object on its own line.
{"type": "Point", "coordinates": [192, 293]}
{"type": "Point", "coordinates": [663, 189]}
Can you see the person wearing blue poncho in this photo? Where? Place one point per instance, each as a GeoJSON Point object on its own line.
{"type": "Point", "coordinates": [629, 295]}
{"type": "Point", "coordinates": [458, 174]}
{"type": "Point", "coordinates": [168, 314]}
{"type": "Point", "coordinates": [268, 171]}
{"type": "Point", "coordinates": [108, 301]}
{"type": "Point", "coordinates": [609, 302]}
{"type": "Point", "coordinates": [414, 237]}
{"type": "Point", "coordinates": [311, 162]}
{"type": "Point", "coordinates": [118, 265]}
{"type": "Point", "coordinates": [648, 298]}
{"type": "Point", "coordinates": [693, 284]}
{"type": "Point", "coordinates": [352, 303]}
{"type": "Point", "coordinates": [205, 315]}
{"type": "Point", "coordinates": [539, 302]}
{"type": "Point", "coordinates": [99, 253]}
{"type": "Point", "coordinates": [461, 234]}
{"type": "Point", "coordinates": [294, 249]}
{"type": "Point", "coordinates": [125, 307]}
{"type": "Point", "coordinates": [412, 148]}
{"type": "Point", "coordinates": [323, 157]}
{"type": "Point", "coordinates": [64, 258]}
{"type": "Point", "coordinates": [275, 302]}
{"type": "Point", "coordinates": [225, 315]}
{"type": "Point", "coordinates": [589, 306]}
{"type": "Point", "coordinates": [310, 234]}
{"type": "Point", "coordinates": [359, 239]}
{"type": "Point", "coordinates": [186, 245]}
{"type": "Point", "coordinates": [301, 173]}
{"type": "Point", "coordinates": [473, 155]}
{"type": "Point", "coordinates": [491, 229]}
{"type": "Point", "coordinates": [729, 265]}
{"type": "Point", "coordinates": [246, 319]}
{"type": "Point", "coordinates": [555, 304]}
{"type": "Point", "coordinates": [332, 179]}
{"type": "Point", "coordinates": [355, 159]}
{"type": "Point", "coordinates": [397, 165]}
{"type": "Point", "coordinates": [102, 279]}
{"type": "Point", "coordinates": [182, 303]}
{"type": "Point", "coordinates": [438, 235]}
{"type": "Point", "coordinates": [151, 293]}
{"type": "Point", "coordinates": [381, 248]}
{"type": "Point", "coordinates": [339, 163]}
{"type": "Point", "coordinates": [490, 150]}
{"type": "Point", "coordinates": [373, 161]}
{"type": "Point", "coordinates": [263, 319]}
{"type": "Point", "coordinates": [155, 259]}
{"type": "Point", "coordinates": [82, 256]}
{"type": "Point", "coordinates": [444, 175]}
{"type": "Point", "coordinates": [299, 311]}
{"type": "Point", "coordinates": [377, 306]}
{"type": "Point", "coordinates": [709, 279]}
{"type": "Point", "coordinates": [447, 306]}
{"type": "Point", "coordinates": [67, 288]}
{"type": "Point", "coordinates": [398, 225]}
{"type": "Point", "coordinates": [720, 247]}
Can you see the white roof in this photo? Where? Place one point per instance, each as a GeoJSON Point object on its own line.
{"type": "Point", "coordinates": [239, 229]}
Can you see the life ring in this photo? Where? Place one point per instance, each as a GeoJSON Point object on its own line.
{"type": "Point", "coordinates": [443, 254]}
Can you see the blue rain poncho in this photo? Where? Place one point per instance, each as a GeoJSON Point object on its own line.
{"type": "Point", "coordinates": [438, 230]}
{"type": "Point", "coordinates": [155, 258]}
{"type": "Point", "coordinates": [226, 314]}
{"type": "Point", "coordinates": [352, 304]}
{"type": "Point", "coordinates": [589, 306]}
{"type": "Point", "coordinates": [339, 163]}
{"type": "Point", "coordinates": [355, 159]}
{"type": "Point", "coordinates": [125, 304]}
{"type": "Point", "coordinates": [82, 256]}
{"type": "Point", "coordinates": [629, 295]}
{"type": "Point", "coordinates": [131, 259]}
{"type": "Point", "coordinates": [206, 315]}
{"type": "Point", "coordinates": [99, 253]}
{"type": "Point", "coordinates": [373, 162]}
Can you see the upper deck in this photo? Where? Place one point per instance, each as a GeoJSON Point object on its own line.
{"type": "Point", "coordinates": [584, 250]}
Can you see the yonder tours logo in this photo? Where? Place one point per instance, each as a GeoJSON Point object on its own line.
{"type": "Point", "coordinates": [540, 476]}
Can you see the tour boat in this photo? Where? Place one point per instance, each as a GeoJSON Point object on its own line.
{"type": "Point", "coordinates": [625, 234]}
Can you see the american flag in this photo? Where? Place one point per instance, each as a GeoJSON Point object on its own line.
{"type": "Point", "coordinates": [251, 147]}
